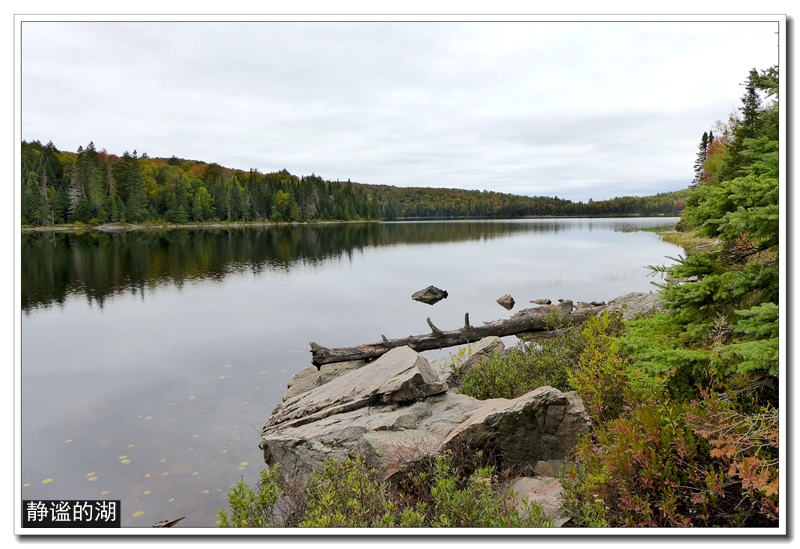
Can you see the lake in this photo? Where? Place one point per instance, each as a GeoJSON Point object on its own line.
{"type": "Point", "coordinates": [152, 359]}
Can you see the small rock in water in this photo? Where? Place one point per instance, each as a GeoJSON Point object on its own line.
{"type": "Point", "coordinates": [541, 301]}
{"type": "Point", "coordinates": [429, 295]}
{"type": "Point", "coordinates": [506, 301]}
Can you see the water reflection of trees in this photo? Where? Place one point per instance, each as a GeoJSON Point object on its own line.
{"type": "Point", "coordinates": [99, 265]}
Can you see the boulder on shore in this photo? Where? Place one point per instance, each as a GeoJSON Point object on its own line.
{"type": "Point", "coordinates": [396, 410]}
{"type": "Point", "coordinates": [635, 304]}
{"type": "Point", "coordinates": [429, 295]}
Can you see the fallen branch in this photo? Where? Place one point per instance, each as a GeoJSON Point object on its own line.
{"type": "Point", "coordinates": [526, 320]}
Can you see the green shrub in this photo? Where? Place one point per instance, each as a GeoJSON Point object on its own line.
{"type": "Point", "coordinates": [525, 367]}
{"type": "Point", "coordinates": [253, 508]}
{"type": "Point", "coordinates": [348, 494]}
{"type": "Point", "coordinates": [600, 374]}
{"type": "Point", "coordinates": [480, 501]}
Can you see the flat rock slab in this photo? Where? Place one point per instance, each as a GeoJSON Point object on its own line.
{"type": "Point", "coordinates": [400, 375]}
{"type": "Point", "coordinates": [311, 378]}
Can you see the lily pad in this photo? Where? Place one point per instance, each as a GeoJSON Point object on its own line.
{"type": "Point", "coordinates": [47, 481]}
{"type": "Point", "coordinates": [92, 479]}
{"type": "Point", "coordinates": [26, 484]}
{"type": "Point", "coordinates": [68, 440]}
{"type": "Point", "coordinates": [123, 457]}
{"type": "Point", "coordinates": [171, 500]}
{"type": "Point", "coordinates": [147, 475]}
{"type": "Point", "coordinates": [105, 492]}
{"type": "Point", "coordinates": [244, 463]}
{"type": "Point", "coordinates": [146, 492]}
{"type": "Point", "coordinates": [90, 474]}
{"type": "Point", "coordinates": [148, 417]}
{"type": "Point", "coordinates": [125, 461]}
{"type": "Point", "coordinates": [138, 514]}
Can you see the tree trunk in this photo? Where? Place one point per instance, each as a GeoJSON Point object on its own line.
{"type": "Point", "coordinates": [527, 320]}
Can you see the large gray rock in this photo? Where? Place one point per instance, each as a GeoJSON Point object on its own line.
{"type": "Point", "coordinates": [400, 375]}
{"type": "Point", "coordinates": [635, 304]}
{"type": "Point", "coordinates": [389, 436]}
{"type": "Point", "coordinates": [396, 410]}
{"type": "Point", "coordinates": [541, 425]}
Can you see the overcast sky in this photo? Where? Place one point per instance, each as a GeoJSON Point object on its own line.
{"type": "Point", "coordinates": [575, 110]}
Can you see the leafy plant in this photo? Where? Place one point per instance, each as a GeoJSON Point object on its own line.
{"type": "Point", "coordinates": [525, 367]}
{"type": "Point", "coordinates": [253, 508]}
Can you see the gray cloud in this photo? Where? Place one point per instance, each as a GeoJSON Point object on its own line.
{"type": "Point", "coordinates": [571, 109]}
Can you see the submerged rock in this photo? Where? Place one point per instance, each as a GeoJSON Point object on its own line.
{"type": "Point", "coordinates": [429, 295]}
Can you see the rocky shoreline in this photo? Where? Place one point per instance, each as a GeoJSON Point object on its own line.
{"type": "Point", "coordinates": [400, 408]}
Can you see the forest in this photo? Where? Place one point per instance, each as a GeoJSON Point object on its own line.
{"type": "Point", "coordinates": [93, 187]}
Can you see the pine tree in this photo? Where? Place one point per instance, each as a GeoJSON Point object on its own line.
{"type": "Point", "coordinates": [701, 159]}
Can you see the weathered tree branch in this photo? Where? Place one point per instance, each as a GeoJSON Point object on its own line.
{"type": "Point", "coordinates": [526, 320]}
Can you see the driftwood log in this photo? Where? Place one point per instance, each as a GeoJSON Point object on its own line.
{"type": "Point", "coordinates": [527, 320]}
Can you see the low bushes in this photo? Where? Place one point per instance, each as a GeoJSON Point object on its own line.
{"type": "Point", "coordinates": [348, 494]}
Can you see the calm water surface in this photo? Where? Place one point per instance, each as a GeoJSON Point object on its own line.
{"type": "Point", "coordinates": [151, 359]}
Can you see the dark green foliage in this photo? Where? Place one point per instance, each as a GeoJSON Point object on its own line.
{"type": "Point", "coordinates": [525, 367]}
{"type": "Point", "coordinates": [695, 442]}
{"type": "Point", "coordinates": [349, 495]}
{"type": "Point", "coordinates": [600, 373]}
{"type": "Point", "coordinates": [253, 508]}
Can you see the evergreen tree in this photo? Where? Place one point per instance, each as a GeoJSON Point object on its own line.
{"type": "Point", "coordinates": [701, 159]}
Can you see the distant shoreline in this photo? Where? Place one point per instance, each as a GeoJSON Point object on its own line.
{"type": "Point", "coordinates": [119, 227]}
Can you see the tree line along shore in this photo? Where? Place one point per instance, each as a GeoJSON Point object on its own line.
{"type": "Point", "coordinates": [94, 187]}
